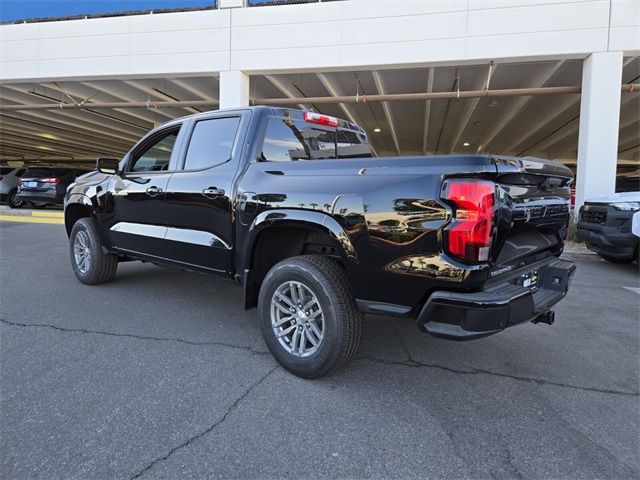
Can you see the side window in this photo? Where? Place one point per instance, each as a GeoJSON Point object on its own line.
{"type": "Point", "coordinates": [211, 142]}
{"type": "Point", "coordinates": [155, 157]}
{"type": "Point", "coordinates": [287, 140]}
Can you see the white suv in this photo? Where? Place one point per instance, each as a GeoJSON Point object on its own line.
{"type": "Point", "coordinates": [9, 180]}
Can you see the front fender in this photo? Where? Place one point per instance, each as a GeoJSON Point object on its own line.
{"type": "Point", "coordinates": [78, 198]}
{"type": "Point", "coordinates": [77, 205]}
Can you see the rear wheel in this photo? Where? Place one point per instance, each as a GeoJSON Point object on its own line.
{"type": "Point", "coordinates": [13, 199]}
{"type": "Point", "coordinates": [308, 314]}
{"type": "Point", "coordinates": [617, 260]}
{"type": "Point", "coordinates": [90, 264]}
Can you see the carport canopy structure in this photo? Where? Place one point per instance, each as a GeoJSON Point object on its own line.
{"type": "Point", "coordinates": [538, 124]}
{"type": "Point", "coordinates": [541, 124]}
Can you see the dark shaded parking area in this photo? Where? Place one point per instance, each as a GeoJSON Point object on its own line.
{"type": "Point", "coordinates": [161, 374]}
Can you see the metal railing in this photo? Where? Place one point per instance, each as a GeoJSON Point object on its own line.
{"type": "Point", "coordinates": [265, 3]}
{"type": "Point", "coordinates": [212, 5]}
{"type": "Point", "coordinates": [79, 16]}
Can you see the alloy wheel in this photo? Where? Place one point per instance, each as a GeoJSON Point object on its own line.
{"type": "Point", "coordinates": [82, 251]}
{"type": "Point", "coordinates": [297, 319]}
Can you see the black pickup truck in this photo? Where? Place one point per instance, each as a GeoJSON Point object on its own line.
{"type": "Point", "coordinates": [292, 206]}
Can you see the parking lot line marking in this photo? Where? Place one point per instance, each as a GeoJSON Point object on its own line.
{"type": "Point", "coordinates": [25, 219]}
{"type": "Point", "coordinates": [48, 214]}
{"type": "Point", "coordinates": [633, 289]}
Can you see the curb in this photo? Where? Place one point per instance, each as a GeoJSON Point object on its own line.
{"type": "Point", "coordinates": [29, 216]}
{"type": "Point", "coordinates": [29, 213]}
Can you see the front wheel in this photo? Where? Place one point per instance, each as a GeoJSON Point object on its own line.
{"type": "Point", "coordinates": [13, 199]}
{"type": "Point", "coordinates": [90, 264]}
{"type": "Point", "coordinates": [308, 314]}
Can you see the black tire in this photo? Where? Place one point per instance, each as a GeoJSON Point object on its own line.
{"type": "Point", "coordinates": [342, 322]}
{"type": "Point", "coordinates": [13, 200]}
{"type": "Point", "coordinates": [100, 267]}
{"type": "Point", "coordinates": [617, 260]}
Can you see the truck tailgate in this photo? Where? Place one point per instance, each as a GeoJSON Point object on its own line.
{"type": "Point", "coordinates": [533, 209]}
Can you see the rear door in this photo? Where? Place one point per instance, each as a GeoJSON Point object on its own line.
{"type": "Point", "coordinates": [200, 194]}
{"type": "Point", "coordinates": [138, 216]}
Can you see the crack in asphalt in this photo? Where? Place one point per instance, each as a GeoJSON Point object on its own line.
{"type": "Point", "coordinates": [207, 430]}
{"type": "Point", "coordinates": [139, 337]}
{"type": "Point", "coordinates": [411, 362]}
{"type": "Point", "coordinates": [480, 371]}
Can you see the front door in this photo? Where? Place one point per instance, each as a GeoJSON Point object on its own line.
{"type": "Point", "coordinates": [138, 224]}
{"type": "Point", "coordinates": [199, 195]}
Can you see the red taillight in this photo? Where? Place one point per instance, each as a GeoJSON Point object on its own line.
{"type": "Point", "coordinates": [469, 235]}
{"type": "Point", "coordinates": [50, 180]}
{"type": "Point", "coordinates": [312, 117]}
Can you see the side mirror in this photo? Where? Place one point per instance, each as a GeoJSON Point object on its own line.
{"type": "Point", "coordinates": [107, 165]}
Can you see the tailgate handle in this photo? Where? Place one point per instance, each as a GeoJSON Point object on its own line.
{"type": "Point", "coordinates": [213, 192]}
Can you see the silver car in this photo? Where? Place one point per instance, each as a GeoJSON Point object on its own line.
{"type": "Point", "coordinates": [9, 180]}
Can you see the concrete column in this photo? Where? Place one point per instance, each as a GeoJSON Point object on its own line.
{"type": "Point", "coordinates": [599, 125]}
{"type": "Point", "coordinates": [234, 89]}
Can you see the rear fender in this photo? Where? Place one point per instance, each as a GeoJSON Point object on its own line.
{"type": "Point", "coordinates": [303, 219]}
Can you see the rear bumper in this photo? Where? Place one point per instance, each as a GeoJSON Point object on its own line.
{"type": "Point", "coordinates": [48, 197]}
{"type": "Point", "coordinates": [465, 316]}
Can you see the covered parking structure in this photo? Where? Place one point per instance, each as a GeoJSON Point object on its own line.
{"type": "Point", "coordinates": [561, 93]}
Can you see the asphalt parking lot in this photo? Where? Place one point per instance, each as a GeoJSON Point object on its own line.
{"type": "Point", "coordinates": [161, 374]}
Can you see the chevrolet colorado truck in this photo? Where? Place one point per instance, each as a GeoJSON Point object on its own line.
{"type": "Point", "coordinates": [292, 206]}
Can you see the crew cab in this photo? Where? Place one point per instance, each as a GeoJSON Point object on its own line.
{"type": "Point", "coordinates": [292, 206]}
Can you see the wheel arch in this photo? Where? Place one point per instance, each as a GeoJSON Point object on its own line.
{"type": "Point", "coordinates": [278, 234]}
{"type": "Point", "coordinates": [77, 207]}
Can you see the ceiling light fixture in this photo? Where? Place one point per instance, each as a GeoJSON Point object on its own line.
{"type": "Point", "coordinates": [377, 130]}
{"type": "Point", "coordinates": [465, 144]}
{"type": "Point", "coordinates": [49, 136]}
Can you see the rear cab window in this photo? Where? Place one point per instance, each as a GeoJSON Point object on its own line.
{"type": "Point", "coordinates": [292, 139]}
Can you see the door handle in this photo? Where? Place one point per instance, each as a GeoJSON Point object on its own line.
{"type": "Point", "coordinates": [213, 192]}
{"type": "Point", "coordinates": [153, 191]}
